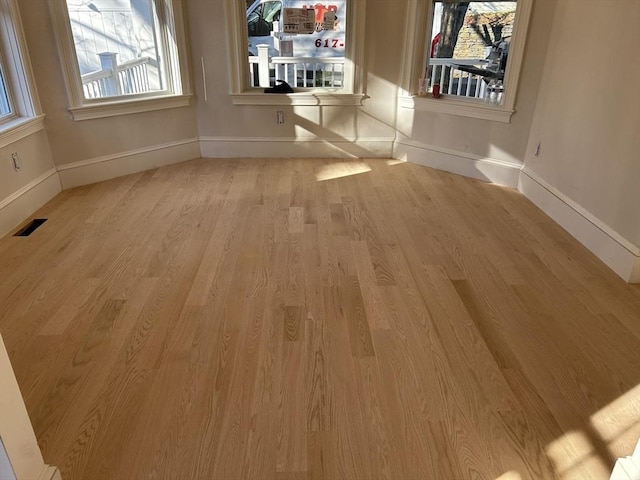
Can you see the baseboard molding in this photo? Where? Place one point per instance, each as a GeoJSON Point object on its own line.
{"type": "Point", "coordinates": [618, 253]}
{"type": "Point", "coordinates": [50, 473]}
{"type": "Point", "coordinates": [609, 246]}
{"type": "Point", "coordinates": [627, 468]}
{"type": "Point", "coordinates": [289, 147]}
{"type": "Point", "coordinates": [124, 163]}
{"type": "Point", "coordinates": [462, 163]}
{"type": "Point", "coordinates": [21, 204]}
{"type": "Point", "coordinates": [635, 271]}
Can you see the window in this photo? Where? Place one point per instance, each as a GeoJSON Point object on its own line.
{"type": "Point", "coordinates": [6, 112]}
{"type": "Point", "coordinates": [288, 36]}
{"type": "Point", "coordinates": [121, 56]}
{"type": "Point", "coordinates": [468, 58]}
{"type": "Point", "coordinates": [20, 113]}
{"type": "Point", "coordinates": [317, 48]}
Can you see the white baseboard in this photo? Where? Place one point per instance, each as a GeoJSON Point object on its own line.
{"type": "Point", "coordinates": [288, 147]}
{"type": "Point", "coordinates": [618, 253]}
{"type": "Point", "coordinates": [18, 206]}
{"type": "Point", "coordinates": [627, 468]}
{"type": "Point", "coordinates": [635, 271]}
{"type": "Point", "coordinates": [50, 473]}
{"type": "Point", "coordinates": [462, 163]}
{"type": "Point", "coordinates": [124, 163]}
{"type": "Point", "coordinates": [609, 246]}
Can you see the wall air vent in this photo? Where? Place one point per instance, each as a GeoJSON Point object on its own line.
{"type": "Point", "coordinates": [30, 227]}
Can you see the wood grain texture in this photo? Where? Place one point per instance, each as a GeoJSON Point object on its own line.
{"type": "Point", "coordinates": [316, 319]}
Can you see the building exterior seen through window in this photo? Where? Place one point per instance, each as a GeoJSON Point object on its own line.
{"type": "Point", "coordinates": [5, 104]}
{"type": "Point", "coordinates": [298, 41]}
{"type": "Point", "coordinates": [117, 46]}
{"type": "Point", "coordinates": [468, 49]}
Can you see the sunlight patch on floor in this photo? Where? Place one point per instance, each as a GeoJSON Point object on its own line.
{"type": "Point", "coordinates": [341, 169]}
{"type": "Point", "coordinates": [618, 424]}
{"type": "Point", "coordinates": [574, 457]}
{"type": "Point", "coordinates": [511, 475]}
{"type": "Point", "coordinates": [395, 162]}
{"type": "Point", "coordinates": [613, 433]}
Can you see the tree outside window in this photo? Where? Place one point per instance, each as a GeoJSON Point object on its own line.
{"type": "Point", "coordinates": [469, 48]}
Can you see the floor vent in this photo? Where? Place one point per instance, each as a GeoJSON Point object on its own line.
{"type": "Point", "coordinates": [30, 227]}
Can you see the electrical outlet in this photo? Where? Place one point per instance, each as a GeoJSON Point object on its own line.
{"type": "Point", "coordinates": [15, 162]}
{"type": "Point", "coordinates": [537, 152]}
{"type": "Point", "coordinates": [279, 117]}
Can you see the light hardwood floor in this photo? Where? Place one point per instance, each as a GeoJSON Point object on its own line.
{"type": "Point", "coordinates": [261, 319]}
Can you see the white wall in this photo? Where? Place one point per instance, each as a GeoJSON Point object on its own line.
{"type": "Point", "coordinates": [476, 139]}
{"type": "Point", "coordinates": [23, 192]}
{"type": "Point", "coordinates": [232, 130]}
{"type": "Point", "coordinates": [587, 120]}
{"type": "Point", "coordinates": [73, 141]}
{"type": "Point", "coordinates": [85, 151]}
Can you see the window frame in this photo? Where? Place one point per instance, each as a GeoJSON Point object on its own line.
{"type": "Point", "coordinates": [174, 47]}
{"type": "Point", "coordinates": [353, 91]}
{"type": "Point", "coordinates": [26, 118]}
{"type": "Point", "coordinates": [417, 42]}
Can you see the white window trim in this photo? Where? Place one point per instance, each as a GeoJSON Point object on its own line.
{"type": "Point", "coordinates": [179, 95]}
{"type": "Point", "coordinates": [353, 92]}
{"type": "Point", "coordinates": [19, 128]}
{"type": "Point", "coordinates": [419, 18]}
{"type": "Point", "coordinates": [118, 106]}
{"type": "Point", "coordinates": [302, 98]}
{"type": "Point", "coordinates": [28, 118]}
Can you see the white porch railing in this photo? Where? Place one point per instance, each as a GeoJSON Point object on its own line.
{"type": "Point", "coordinates": [117, 79]}
{"type": "Point", "coordinates": [461, 83]}
{"type": "Point", "coordinates": [302, 72]}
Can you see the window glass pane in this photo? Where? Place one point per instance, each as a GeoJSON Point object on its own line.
{"type": "Point", "coordinates": [469, 47]}
{"type": "Point", "coordinates": [117, 46]}
{"type": "Point", "coordinates": [307, 40]}
{"type": "Point", "coordinates": [5, 106]}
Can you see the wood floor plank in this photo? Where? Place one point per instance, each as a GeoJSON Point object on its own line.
{"type": "Point", "coordinates": [356, 319]}
{"type": "Point", "coordinates": [274, 319]}
{"type": "Point", "coordinates": [320, 401]}
{"type": "Point", "coordinates": [375, 305]}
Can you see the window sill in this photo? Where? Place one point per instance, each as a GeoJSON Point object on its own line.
{"type": "Point", "coordinates": [301, 98]}
{"type": "Point", "coordinates": [126, 107]}
{"type": "Point", "coordinates": [19, 128]}
{"type": "Point", "coordinates": [460, 107]}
